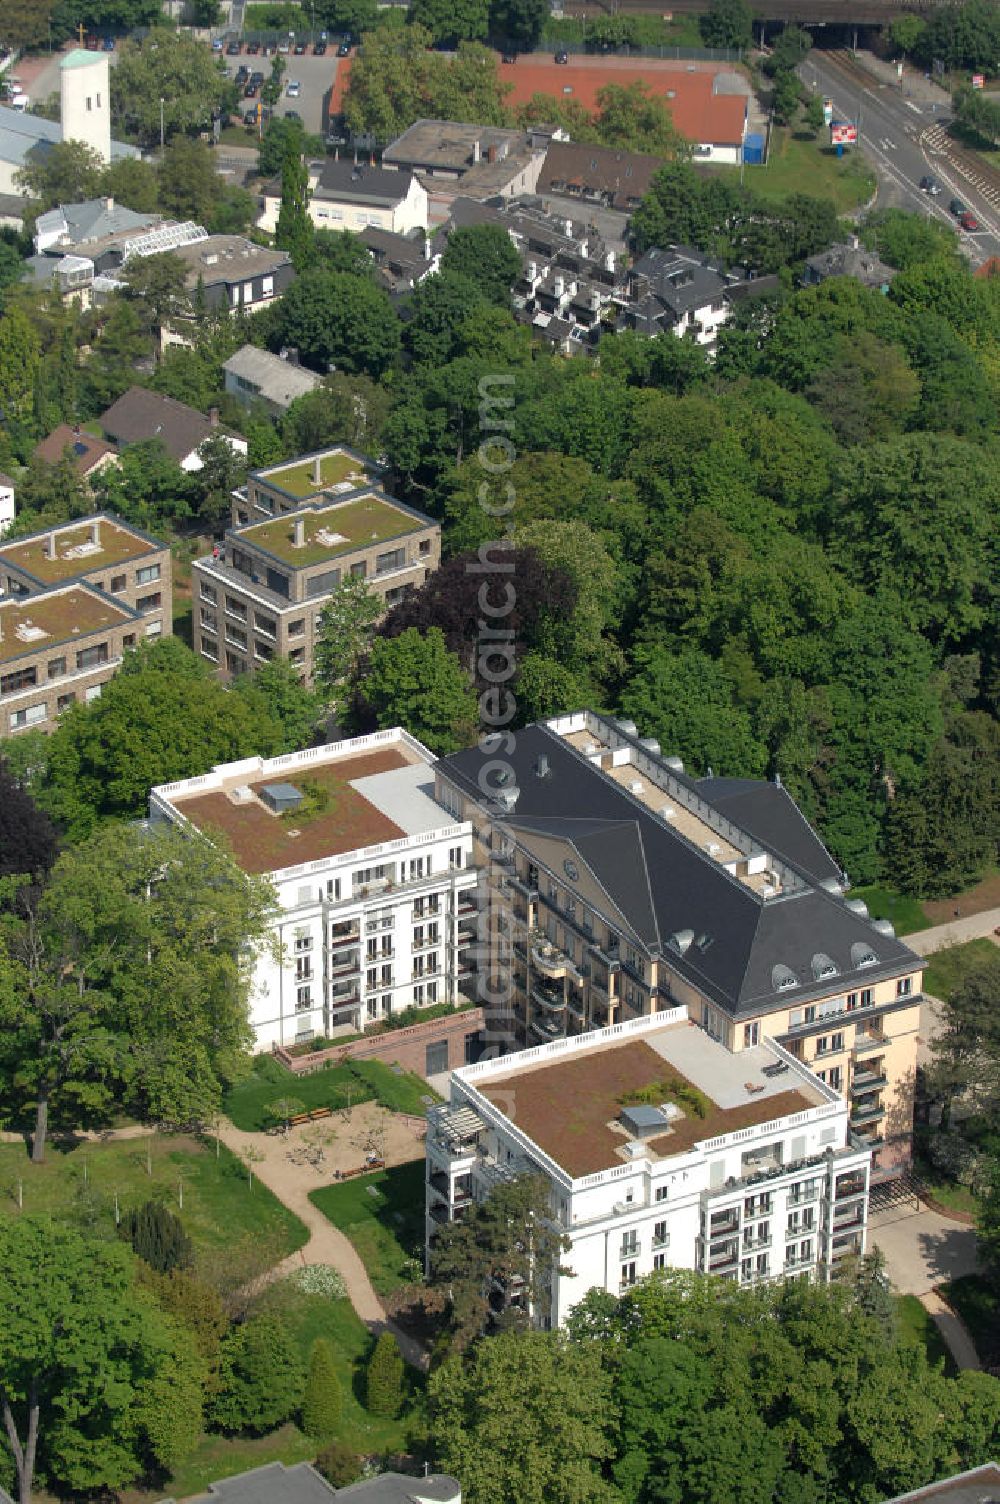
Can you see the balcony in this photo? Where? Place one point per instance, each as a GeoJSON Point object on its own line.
{"type": "Point", "coordinates": [846, 1248]}
{"type": "Point", "coordinates": [344, 963]}
{"type": "Point", "coordinates": [344, 934]}
{"type": "Point", "coordinates": [550, 961]}
{"type": "Point", "coordinates": [547, 1028]}
{"type": "Point", "coordinates": [348, 999]}
{"type": "Point", "coordinates": [439, 1213]}
{"type": "Point", "coordinates": [872, 1113]}
{"type": "Point", "coordinates": [872, 1079]}
{"type": "Point", "coordinates": [752, 1245]}
{"type": "Point", "coordinates": [575, 1007]}
{"type": "Point", "coordinates": [726, 1259]}
{"type": "Point", "coordinates": [850, 1185]}
{"type": "Point", "coordinates": [663, 1241]}
{"type": "Point", "coordinates": [725, 1226]}
{"type": "Point", "coordinates": [441, 1183]}
{"type": "Point", "coordinates": [867, 1040]}
{"type": "Point", "coordinates": [629, 1250]}
{"type": "Point", "coordinates": [803, 1230]}
{"type": "Point", "coordinates": [468, 903]}
{"type": "Point", "coordinates": [802, 1198]}
{"type": "Point", "coordinates": [847, 1217]}
{"type": "Point", "coordinates": [546, 998]}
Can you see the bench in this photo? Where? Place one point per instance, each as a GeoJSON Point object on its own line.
{"type": "Point", "coordinates": [299, 1117]}
{"type": "Point", "coordinates": [320, 1112]}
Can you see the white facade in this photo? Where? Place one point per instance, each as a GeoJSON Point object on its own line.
{"type": "Point", "coordinates": [360, 934]}
{"type": "Point", "coordinates": [85, 92]}
{"type": "Point", "coordinates": [407, 213]}
{"type": "Point", "coordinates": [8, 510]}
{"type": "Point", "coordinates": [787, 1197]}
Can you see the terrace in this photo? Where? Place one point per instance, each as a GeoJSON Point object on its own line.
{"type": "Point", "coordinates": [37, 623]}
{"type": "Point", "coordinates": [328, 532]}
{"type": "Point", "coordinates": [570, 1108]}
{"type": "Point", "coordinates": [76, 552]}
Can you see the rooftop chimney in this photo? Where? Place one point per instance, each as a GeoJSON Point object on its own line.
{"type": "Point", "coordinates": [491, 154]}
{"type": "Point", "coordinates": [109, 204]}
{"type": "Point", "coordinates": [299, 532]}
{"type": "Point", "coordinates": [50, 546]}
{"type": "Point", "coordinates": [317, 471]}
{"type": "Point", "coordinates": [427, 247]}
{"type": "Point", "coordinates": [477, 150]}
{"type": "Point", "coordinates": [213, 417]}
{"type": "Point", "coordinates": [95, 531]}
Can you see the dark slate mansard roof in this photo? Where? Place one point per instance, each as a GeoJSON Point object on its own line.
{"type": "Point", "coordinates": [664, 884]}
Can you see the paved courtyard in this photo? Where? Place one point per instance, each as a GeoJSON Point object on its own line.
{"type": "Point", "coordinates": [922, 1249]}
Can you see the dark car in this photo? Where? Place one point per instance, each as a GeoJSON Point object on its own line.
{"type": "Point", "coordinates": [299, 49]}
{"type": "Point", "coordinates": [250, 119]}
{"type": "Point", "coordinates": [293, 115]}
{"type": "Point", "coordinates": [957, 208]}
{"type": "Point", "coordinates": [109, 44]}
{"type": "Point", "coordinates": [257, 77]}
{"type": "Point", "coordinates": [233, 50]}
{"type": "Point", "coordinates": [562, 56]}
{"type": "Point", "coordinates": [242, 74]}
{"type": "Point", "coordinates": [319, 50]}
{"type": "Point", "coordinates": [344, 50]}
{"type": "Point", "coordinates": [250, 92]}
{"type": "Point", "coordinates": [509, 57]}
{"type": "Point", "coordinates": [968, 221]}
{"type": "Point", "coordinates": [930, 185]}
{"type": "Point", "coordinates": [253, 48]}
{"type": "Point", "coordinates": [93, 44]}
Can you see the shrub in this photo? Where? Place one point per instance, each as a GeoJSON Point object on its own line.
{"type": "Point", "coordinates": [384, 1391]}
{"type": "Point", "coordinates": [260, 1378]}
{"type": "Point", "coordinates": [158, 1237]}
{"type": "Point", "coordinates": [339, 1465]}
{"type": "Point", "coordinates": [323, 1403]}
{"type": "Point", "coordinates": [669, 1088]}
{"type": "Point", "coordinates": [320, 1279]}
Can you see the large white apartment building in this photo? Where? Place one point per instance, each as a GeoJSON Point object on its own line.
{"type": "Point", "coordinates": [377, 903]}
{"type": "Point", "coordinates": [738, 1164]}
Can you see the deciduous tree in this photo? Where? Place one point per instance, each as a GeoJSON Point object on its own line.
{"type": "Point", "coordinates": [413, 681]}
{"type": "Point", "coordinates": [260, 1378]}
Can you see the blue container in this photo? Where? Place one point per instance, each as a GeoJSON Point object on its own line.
{"type": "Point", "coordinates": [753, 150]}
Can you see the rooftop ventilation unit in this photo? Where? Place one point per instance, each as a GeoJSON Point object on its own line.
{"type": "Point", "coordinates": [542, 769]}
{"type": "Point", "coordinates": [713, 848]}
{"type": "Point", "coordinates": [667, 811]}
{"type": "Point", "coordinates": [281, 797]}
{"type": "Point", "coordinates": [645, 1122]}
{"type": "Point", "coordinates": [635, 786]}
{"type": "Point", "coordinates": [241, 794]}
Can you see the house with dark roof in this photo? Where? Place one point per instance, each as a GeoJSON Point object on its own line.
{"type": "Point", "coordinates": [654, 887]}
{"type": "Point", "coordinates": [848, 258]}
{"type": "Point", "coordinates": [980, 1485]}
{"type": "Point", "coordinates": [401, 261]}
{"type": "Point", "coordinates": [89, 454]}
{"type": "Point", "coordinates": [93, 219]}
{"type": "Point", "coordinates": [677, 290]}
{"type": "Point", "coordinates": [255, 375]}
{"type": "Point", "coordinates": [452, 157]}
{"type": "Point", "coordinates": [276, 1483]}
{"type": "Point", "coordinates": [351, 195]}
{"type": "Point", "coordinates": [140, 414]}
{"type": "Point", "coordinates": [599, 175]}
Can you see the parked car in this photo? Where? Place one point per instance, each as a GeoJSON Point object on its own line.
{"type": "Point", "coordinates": [510, 57]}
{"type": "Point", "coordinates": [284, 46]}
{"type": "Point", "coordinates": [233, 50]}
{"type": "Point", "coordinates": [344, 50]}
{"type": "Point", "coordinates": [250, 119]}
{"type": "Point", "coordinates": [93, 44]}
{"type": "Point", "coordinates": [956, 207]}
{"type": "Point", "coordinates": [319, 50]}
{"type": "Point", "coordinates": [109, 44]}
{"type": "Point", "coordinates": [930, 185]}
{"type": "Point", "coordinates": [294, 89]}
{"type": "Point", "coordinates": [968, 221]}
{"type": "Point", "coordinates": [253, 48]}
{"type": "Point", "coordinates": [299, 49]}
{"type": "Point", "coordinates": [217, 44]}
{"type": "Point", "coordinates": [257, 77]}
{"type": "Point", "coordinates": [242, 74]}
{"type": "Point", "coordinates": [293, 115]}
{"type": "Point", "coordinates": [250, 92]}
{"type": "Point", "coordinates": [562, 56]}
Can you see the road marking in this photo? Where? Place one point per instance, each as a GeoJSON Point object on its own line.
{"type": "Point", "coordinates": [915, 108]}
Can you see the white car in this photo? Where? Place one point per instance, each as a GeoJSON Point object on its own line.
{"type": "Point", "coordinates": [294, 89]}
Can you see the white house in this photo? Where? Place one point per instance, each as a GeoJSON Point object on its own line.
{"type": "Point", "coordinates": [8, 510]}
{"type": "Point", "coordinates": [662, 1149]}
{"type": "Point", "coordinates": [377, 901]}
{"type": "Point", "coordinates": [345, 195]}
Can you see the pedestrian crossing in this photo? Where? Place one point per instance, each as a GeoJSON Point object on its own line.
{"type": "Point", "coordinates": [936, 141]}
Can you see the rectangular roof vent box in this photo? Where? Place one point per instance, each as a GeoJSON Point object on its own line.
{"type": "Point", "coordinates": [281, 797]}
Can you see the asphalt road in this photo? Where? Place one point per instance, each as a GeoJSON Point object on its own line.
{"type": "Point", "coordinates": [903, 140]}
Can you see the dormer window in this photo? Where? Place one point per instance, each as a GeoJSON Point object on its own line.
{"type": "Point", "coordinates": [822, 966]}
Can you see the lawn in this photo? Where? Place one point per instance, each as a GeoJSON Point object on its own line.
{"type": "Point", "coordinates": [80, 1184]}
{"type": "Point", "coordinates": [797, 165]}
{"type": "Point", "coordinates": [976, 1303]}
{"type": "Point", "coordinates": [917, 1325]}
{"type": "Point", "coordinates": [906, 913]}
{"type": "Point", "coordinates": [946, 969]}
{"type": "Point", "coordinates": [335, 1086]}
{"type": "Point", "coordinates": [383, 1215]}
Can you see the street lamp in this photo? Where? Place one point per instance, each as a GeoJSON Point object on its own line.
{"type": "Point", "coordinates": [161, 123]}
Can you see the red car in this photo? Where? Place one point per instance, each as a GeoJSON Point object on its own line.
{"type": "Point", "coordinates": [968, 221]}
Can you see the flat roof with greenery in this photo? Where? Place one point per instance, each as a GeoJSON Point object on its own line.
{"type": "Point", "coordinates": [74, 553]}
{"type": "Point", "coordinates": [333, 817]}
{"type": "Point", "coordinates": [568, 1107]}
{"type": "Point", "coordinates": [299, 477]}
{"type": "Point", "coordinates": [37, 623]}
{"type": "Point", "coordinates": [331, 531]}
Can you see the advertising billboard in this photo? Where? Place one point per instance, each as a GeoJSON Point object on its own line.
{"type": "Point", "coordinates": [843, 134]}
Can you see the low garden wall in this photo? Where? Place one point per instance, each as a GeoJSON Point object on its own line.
{"type": "Point", "coordinates": [406, 1047]}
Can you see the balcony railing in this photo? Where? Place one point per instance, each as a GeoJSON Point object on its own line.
{"type": "Point", "coordinates": [725, 1226]}
{"type": "Point", "coordinates": [801, 1198]}
{"type": "Point", "coordinates": [349, 935]}
{"type": "Point", "coordinates": [752, 1245]}
{"type": "Point", "coordinates": [869, 1114]}
{"type": "Point", "coordinates": [629, 1250]}
{"type": "Point", "coordinates": [866, 1040]}
{"type": "Point", "coordinates": [804, 1230]}
{"type": "Point", "coordinates": [555, 1002]}
{"type": "Point", "coordinates": [870, 1080]}
{"type": "Point", "coordinates": [850, 1185]}
{"type": "Point", "coordinates": [718, 1262]}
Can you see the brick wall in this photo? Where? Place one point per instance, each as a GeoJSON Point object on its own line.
{"type": "Point", "coordinates": [405, 1047]}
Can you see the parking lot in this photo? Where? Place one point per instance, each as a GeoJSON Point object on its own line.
{"type": "Point", "coordinates": [314, 74]}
